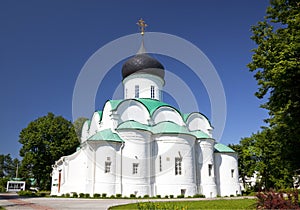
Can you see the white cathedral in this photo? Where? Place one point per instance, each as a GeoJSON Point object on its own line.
{"type": "Point", "coordinates": [143, 146]}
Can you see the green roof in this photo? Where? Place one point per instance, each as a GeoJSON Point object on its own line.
{"type": "Point", "coordinates": [133, 125]}
{"type": "Point", "coordinates": [223, 148]}
{"type": "Point", "coordinates": [169, 127]}
{"type": "Point", "coordinates": [105, 135]}
{"type": "Point", "coordinates": [115, 103]}
{"type": "Point", "coordinates": [150, 104]}
{"type": "Point", "coordinates": [185, 116]}
{"type": "Point", "coordinates": [162, 127]}
{"type": "Point", "coordinates": [200, 134]}
{"type": "Point", "coordinates": [100, 114]}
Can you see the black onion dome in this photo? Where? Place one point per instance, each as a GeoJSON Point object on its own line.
{"type": "Point", "coordinates": [143, 63]}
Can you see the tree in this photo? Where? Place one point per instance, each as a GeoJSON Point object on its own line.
{"type": "Point", "coordinates": [45, 140]}
{"type": "Point", "coordinates": [276, 63]}
{"type": "Point", "coordinates": [8, 166]}
{"type": "Point", "coordinates": [246, 158]}
{"type": "Point", "coordinates": [78, 126]}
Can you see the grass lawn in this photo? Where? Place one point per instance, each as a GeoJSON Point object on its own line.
{"type": "Point", "coordinates": [204, 204]}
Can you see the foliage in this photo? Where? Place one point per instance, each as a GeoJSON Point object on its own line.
{"type": "Point", "coordinates": [96, 195]}
{"type": "Point", "coordinates": [277, 200]}
{"type": "Point", "coordinates": [203, 204]}
{"type": "Point", "coordinates": [8, 166]}
{"type": "Point", "coordinates": [27, 193]}
{"type": "Point", "coordinates": [199, 196]}
{"type": "Point", "coordinates": [78, 126]}
{"type": "Point", "coordinates": [163, 206]}
{"type": "Point", "coordinates": [74, 195]}
{"type": "Point", "coordinates": [104, 195]}
{"type": "Point", "coordinates": [44, 141]}
{"type": "Point", "coordinates": [81, 195]}
{"type": "Point", "coordinates": [276, 63]}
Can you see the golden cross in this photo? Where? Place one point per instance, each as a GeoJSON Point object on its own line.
{"type": "Point", "coordinates": [141, 23]}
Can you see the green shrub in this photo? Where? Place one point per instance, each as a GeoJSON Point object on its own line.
{"type": "Point", "coordinates": [104, 195]}
{"type": "Point", "coordinates": [74, 195]}
{"type": "Point", "coordinates": [180, 196]}
{"type": "Point", "coordinates": [132, 196]}
{"type": "Point", "coordinates": [86, 195]}
{"type": "Point", "coordinates": [156, 205]}
{"type": "Point", "coordinates": [27, 193]}
{"type": "Point", "coordinates": [119, 195]}
{"type": "Point", "coordinates": [96, 195]}
{"type": "Point", "coordinates": [146, 196]}
{"type": "Point", "coordinates": [67, 195]}
{"type": "Point", "coordinates": [166, 196]}
{"type": "Point", "coordinates": [171, 196]}
{"type": "Point", "coordinates": [158, 196]}
{"type": "Point", "coordinates": [2, 189]}
{"type": "Point", "coordinates": [199, 196]}
{"type": "Point", "coordinates": [81, 195]}
{"type": "Point", "coordinates": [112, 196]}
{"type": "Point", "coordinates": [231, 195]}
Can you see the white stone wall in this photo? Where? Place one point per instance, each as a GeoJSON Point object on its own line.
{"type": "Point", "coordinates": [227, 176]}
{"type": "Point", "coordinates": [205, 157]}
{"type": "Point", "coordinates": [144, 81]}
{"type": "Point", "coordinates": [137, 150]}
{"type": "Point", "coordinates": [168, 148]}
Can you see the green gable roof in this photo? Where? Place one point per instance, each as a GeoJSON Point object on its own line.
{"type": "Point", "coordinates": [223, 148]}
{"type": "Point", "coordinates": [105, 135]}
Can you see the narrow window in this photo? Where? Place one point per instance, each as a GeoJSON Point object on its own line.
{"type": "Point", "coordinates": [152, 92]}
{"type": "Point", "coordinates": [126, 93]}
{"type": "Point", "coordinates": [178, 166]}
{"type": "Point", "coordinates": [135, 168]}
{"type": "Point", "coordinates": [160, 164]}
{"type": "Point", "coordinates": [232, 173]}
{"type": "Point", "coordinates": [137, 91]}
{"type": "Point", "coordinates": [209, 169]}
{"type": "Point", "coordinates": [107, 166]}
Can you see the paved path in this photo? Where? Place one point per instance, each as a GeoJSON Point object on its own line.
{"type": "Point", "coordinates": [14, 202]}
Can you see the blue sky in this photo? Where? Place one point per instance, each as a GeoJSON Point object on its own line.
{"type": "Point", "coordinates": [44, 45]}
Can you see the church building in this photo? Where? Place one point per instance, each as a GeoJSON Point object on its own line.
{"type": "Point", "coordinates": [140, 145]}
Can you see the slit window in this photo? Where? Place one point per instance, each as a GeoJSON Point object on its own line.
{"type": "Point", "coordinates": [137, 91]}
{"type": "Point", "coordinates": [232, 173]}
{"type": "Point", "coordinates": [160, 164]}
{"type": "Point", "coordinates": [107, 166]}
{"type": "Point", "coordinates": [209, 169]}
